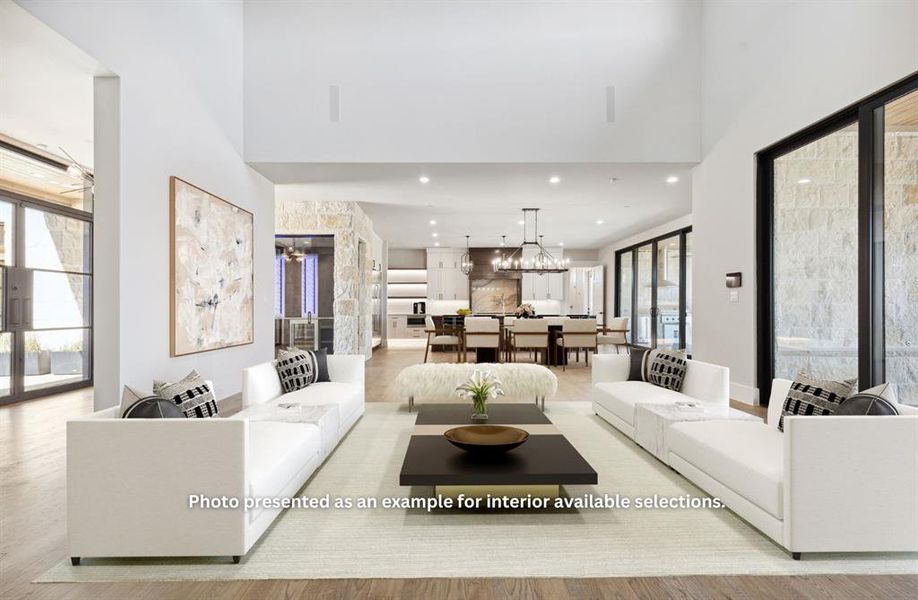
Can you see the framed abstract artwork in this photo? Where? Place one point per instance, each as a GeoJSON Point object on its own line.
{"type": "Point", "coordinates": [211, 271]}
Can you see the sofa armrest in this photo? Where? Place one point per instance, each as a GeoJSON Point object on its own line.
{"type": "Point", "coordinates": [128, 483]}
{"type": "Point", "coordinates": [707, 382]}
{"type": "Point", "coordinates": [608, 368]}
{"type": "Point", "coordinates": [346, 368]}
{"type": "Point", "coordinates": [260, 384]}
{"type": "Point", "coordinates": [851, 483]}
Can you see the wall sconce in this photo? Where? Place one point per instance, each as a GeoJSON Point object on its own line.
{"type": "Point", "coordinates": [734, 280]}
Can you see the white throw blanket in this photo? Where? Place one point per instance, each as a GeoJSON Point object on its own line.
{"type": "Point", "coordinates": [438, 381]}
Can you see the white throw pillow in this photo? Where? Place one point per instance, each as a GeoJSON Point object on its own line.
{"type": "Point", "coordinates": [129, 396]}
{"type": "Point", "coordinates": [885, 391]}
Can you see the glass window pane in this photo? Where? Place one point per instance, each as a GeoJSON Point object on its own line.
{"type": "Point", "coordinates": [644, 297]}
{"type": "Point", "coordinates": [624, 285]}
{"type": "Point", "coordinates": [56, 357]}
{"type": "Point", "coordinates": [901, 245]}
{"type": "Point", "coordinates": [6, 341]}
{"type": "Point", "coordinates": [668, 293]}
{"type": "Point", "coordinates": [56, 242]}
{"type": "Point", "coordinates": [815, 258]}
{"type": "Point", "coordinates": [60, 300]}
{"type": "Point", "coordinates": [6, 233]}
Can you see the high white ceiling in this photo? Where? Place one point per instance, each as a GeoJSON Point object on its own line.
{"type": "Point", "coordinates": [484, 200]}
{"type": "Point", "coordinates": [46, 86]}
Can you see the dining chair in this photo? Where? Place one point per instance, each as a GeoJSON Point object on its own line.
{"type": "Point", "coordinates": [616, 334]}
{"type": "Point", "coordinates": [529, 334]}
{"type": "Point", "coordinates": [481, 332]}
{"type": "Point", "coordinates": [505, 338]}
{"type": "Point", "coordinates": [441, 337]}
{"type": "Point", "coordinates": [577, 334]}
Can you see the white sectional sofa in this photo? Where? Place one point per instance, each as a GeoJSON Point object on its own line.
{"type": "Point", "coordinates": [614, 397]}
{"type": "Point", "coordinates": [129, 480]}
{"type": "Point", "coordinates": [826, 484]}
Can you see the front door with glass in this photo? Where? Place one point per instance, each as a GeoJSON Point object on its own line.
{"type": "Point", "coordinates": [46, 338]}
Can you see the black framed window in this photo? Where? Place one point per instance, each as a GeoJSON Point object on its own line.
{"type": "Point", "coordinates": [836, 247]}
{"type": "Point", "coordinates": [653, 290]}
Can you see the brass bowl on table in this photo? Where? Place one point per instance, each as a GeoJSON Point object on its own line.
{"type": "Point", "coordinates": [486, 439]}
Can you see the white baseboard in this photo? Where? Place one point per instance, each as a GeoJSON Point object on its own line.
{"type": "Point", "coordinates": [744, 393]}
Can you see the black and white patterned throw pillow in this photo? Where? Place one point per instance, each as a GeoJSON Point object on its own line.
{"type": "Point", "coordinates": [192, 395]}
{"type": "Point", "coordinates": [296, 370]}
{"type": "Point", "coordinates": [809, 396]}
{"type": "Point", "coordinates": [666, 368]}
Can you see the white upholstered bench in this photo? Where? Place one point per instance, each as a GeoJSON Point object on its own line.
{"type": "Point", "coordinates": [438, 381]}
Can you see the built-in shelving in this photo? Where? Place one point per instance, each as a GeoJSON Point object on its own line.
{"type": "Point", "coordinates": [405, 287]}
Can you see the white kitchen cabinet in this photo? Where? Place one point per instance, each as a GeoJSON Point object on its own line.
{"type": "Point", "coordinates": [445, 280]}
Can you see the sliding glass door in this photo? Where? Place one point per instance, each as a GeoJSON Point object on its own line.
{"type": "Point", "coordinates": [644, 308]}
{"type": "Point", "coordinates": [838, 247]}
{"type": "Point", "coordinates": [46, 338]}
{"type": "Point", "coordinates": [652, 286]}
{"type": "Point", "coordinates": [900, 240]}
{"type": "Point", "coordinates": [815, 257]}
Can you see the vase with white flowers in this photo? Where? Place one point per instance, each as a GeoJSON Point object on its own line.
{"type": "Point", "coordinates": [525, 311]}
{"type": "Point", "coordinates": [480, 388]}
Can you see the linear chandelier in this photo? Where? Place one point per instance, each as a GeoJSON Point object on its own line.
{"type": "Point", "coordinates": [531, 256]}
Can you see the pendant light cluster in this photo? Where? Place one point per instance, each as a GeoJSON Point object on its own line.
{"type": "Point", "coordinates": [531, 256]}
{"type": "Point", "coordinates": [466, 264]}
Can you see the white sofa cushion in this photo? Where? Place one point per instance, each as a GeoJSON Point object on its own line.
{"type": "Point", "coordinates": [620, 397]}
{"type": "Point", "coordinates": [276, 453]}
{"type": "Point", "coordinates": [745, 456]}
{"type": "Point", "coordinates": [347, 396]}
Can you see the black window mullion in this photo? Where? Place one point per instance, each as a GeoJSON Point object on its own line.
{"type": "Point", "coordinates": [634, 294]}
{"type": "Point", "coordinates": [871, 233]}
{"type": "Point", "coordinates": [682, 292]}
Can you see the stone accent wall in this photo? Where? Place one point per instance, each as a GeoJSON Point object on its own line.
{"type": "Point", "coordinates": [349, 224]}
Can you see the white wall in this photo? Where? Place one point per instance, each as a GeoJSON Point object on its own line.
{"type": "Point", "coordinates": [180, 68]}
{"type": "Point", "coordinates": [607, 254]}
{"type": "Point", "coordinates": [472, 81]}
{"type": "Point", "coordinates": [770, 69]}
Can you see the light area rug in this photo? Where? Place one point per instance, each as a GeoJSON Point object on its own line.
{"type": "Point", "coordinates": [314, 544]}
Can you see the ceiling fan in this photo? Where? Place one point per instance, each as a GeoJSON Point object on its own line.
{"type": "Point", "coordinates": [75, 170]}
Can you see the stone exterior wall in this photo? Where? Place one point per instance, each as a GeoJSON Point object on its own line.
{"type": "Point", "coordinates": [901, 263]}
{"type": "Point", "coordinates": [816, 260]}
{"type": "Point", "coordinates": [349, 224]}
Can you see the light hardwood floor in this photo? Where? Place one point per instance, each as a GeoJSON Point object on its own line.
{"type": "Point", "coordinates": [33, 530]}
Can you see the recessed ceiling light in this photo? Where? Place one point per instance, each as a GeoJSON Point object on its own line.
{"type": "Point", "coordinates": [805, 180]}
{"type": "Point", "coordinates": [435, 234]}
{"type": "Point", "coordinates": [599, 221]}
{"type": "Point", "coordinates": [521, 222]}
{"type": "Point", "coordinates": [554, 179]}
{"type": "Point", "coordinates": [424, 179]}
{"type": "Point", "coordinates": [436, 243]}
{"type": "Point", "coordinates": [672, 179]}
{"type": "Point", "coordinates": [432, 222]}
{"type": "Point", "coordinates": [560, 243]}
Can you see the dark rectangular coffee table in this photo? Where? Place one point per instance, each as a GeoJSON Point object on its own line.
{"type": "Point", "coordinates": [539, 466]}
